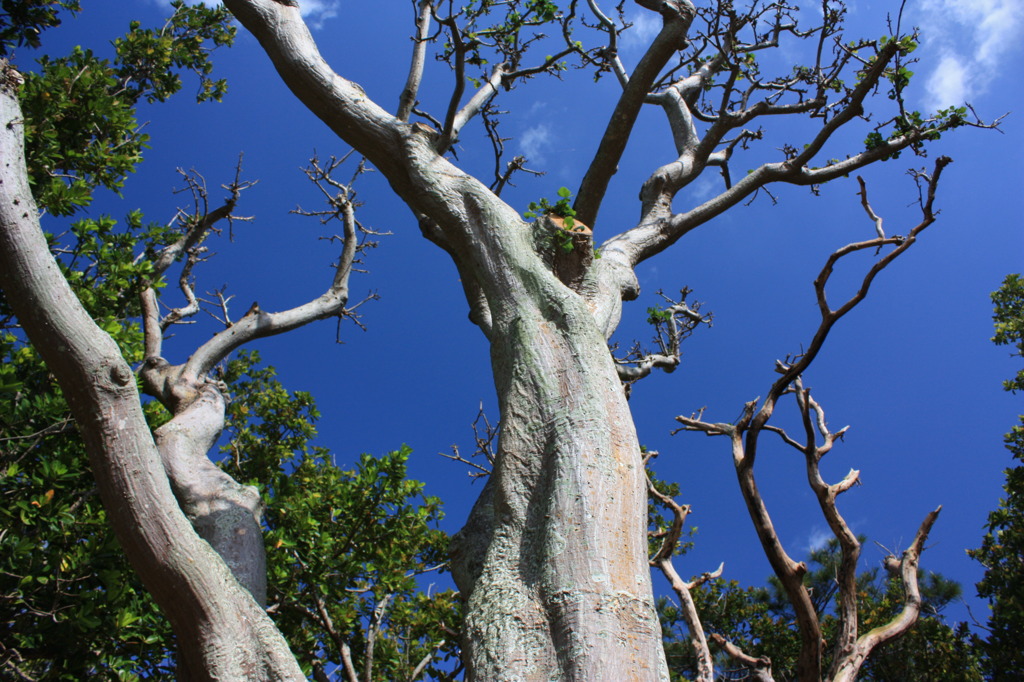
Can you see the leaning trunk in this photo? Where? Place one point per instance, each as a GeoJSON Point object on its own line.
{"type": "Point", "coordinates": [223, 633]}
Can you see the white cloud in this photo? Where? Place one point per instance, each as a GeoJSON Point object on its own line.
{"type": "Point", "coordinates": [315, 12]}
{"type": "Point", "coordinates": [818, 538]}
{"type": "Point", "coordinates": [645, 26]}
{"type": "Point", "coordinates": [948, 84]}
{"type": "Point", "coordinates": [974, 39]}
{"type": "Point", "coordinates": [533, 142]}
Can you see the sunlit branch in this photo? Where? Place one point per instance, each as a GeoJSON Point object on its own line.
{"type": "Point", "coordinates": [457, 118]}
{"type": "Point", "coordinates": [611, 51]}
{"type": "Point", "coordinates": [662, 560]}
{"type": "Point", "coordinates": [867, 208]}
{"type": "Point", "coordinates": [678, 16]}
{"type": "Point", "coordinates": [847, 668]}
{"type": "Point", "coordinates": [407, 100]}
{"type": "Point", "coordinates": [744, 436]}
{"type": "Point", "coordinates": [459, 49]}
{"type": "Point", "coordinates": [672, 325]}
{"type": "Point", "coordinates": [760, 668]}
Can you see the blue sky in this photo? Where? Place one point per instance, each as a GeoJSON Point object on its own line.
{"type": "Point", "coordinates": [911, 371]}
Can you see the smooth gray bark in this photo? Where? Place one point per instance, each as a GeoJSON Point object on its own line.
{"type": "Point", "coordinates": [224, 513]}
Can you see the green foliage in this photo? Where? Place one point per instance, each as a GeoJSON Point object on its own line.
{"type": "Point", "coordinates": [22, 21]}
{"type": "Point", "coordinates": [1002, 548]}
{"type": "Point", "coordinates": [656, 315]}
{"type": "Point", "coordinates": [502, 31]}
{"type": "Point", "coordinates": [559, 238]}
{"type": "Point", "coordinates": [345, 547]}
{"type": "Point", "coordinates": [561, 208]}
{"type": "Point", "coordinates": [1009, 323]}
{"type": "Point", "coordinates": [80, 126]}
{"type": "Point", "coordinates": [761, 622]}
{"type": "Point", "coordinates": [71, 607]}
{"type": "Point", "coordinates": [908, 122]}
{"type": "Point", "coordinates": [149, 60]}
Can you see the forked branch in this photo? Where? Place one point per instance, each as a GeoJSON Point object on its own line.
{"type": "Point", "coordinates": [672, 324]}
{"type": "Point", "coordinates": [178, 385]}
{"type": "Point", "coordinates": [849, 650]}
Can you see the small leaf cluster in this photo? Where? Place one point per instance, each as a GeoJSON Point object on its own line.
{"type": "Point", "coordinates": [560, 238]}
{"type": "Point", "coordinates": [913, 123]}
{"type": "Point", "coordinates": [656, 315]}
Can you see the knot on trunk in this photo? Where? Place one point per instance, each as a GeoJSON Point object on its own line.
{"type": "Point", "coordinates": [572, 249]}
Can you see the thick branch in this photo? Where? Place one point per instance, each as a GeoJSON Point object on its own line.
{"type": "Point", "coordinates": [848, 668]}
{"type": "Point", "coordinates": [407, 100]}
{"type": "Point", "coordinates": [761, 668]}
{"type": "Point", "coordinates": [341, 104]}
{"type": "Point", "coordinates": [677, 15]}
{"type": "Point", "coordinates": [211, 614]}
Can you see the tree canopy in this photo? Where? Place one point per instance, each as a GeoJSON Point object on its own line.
{"type": "Point", "coordinates": [546, 292]}
{"type": "Point", "coordinates": [1002, 549]}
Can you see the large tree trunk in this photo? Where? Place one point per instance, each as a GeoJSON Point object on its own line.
{"type": "Point", "coordinates": [222, 632]}
{"type": "Point", "coordinates": [553, 561]}
{"type": "Point", "coordinates": [561, 588]}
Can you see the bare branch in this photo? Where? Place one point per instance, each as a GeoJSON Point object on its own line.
{"type": "Point", "coordinates": [678, 15]}
{"type": "Point", "coordinates": [458, 118]}
{"type": "Point", "coordinates": [761, 668]}
{"type": "Point", "coordinates": [847, 668]}
{"type": "Point", "coordinates": [195, 225]}
{"type": "Point", "coordinates": [744, 439]}
{"type": "Point", "coordinates": [407, 100]}
{"type": "Point", "coordinates": [662, 560]}
{"type": "Point", "coordinates": [867, 208]}
{"type": "Point", "coordinates": [346, 663]}
{"type": "Point", "coordinates": [424, 662]}
{"type": "Point", "coordinates": [484, 435]}
{"type": "Point", "coordinates": [257, 323]}
{"type": "Point", "coordinates": [672, 324]}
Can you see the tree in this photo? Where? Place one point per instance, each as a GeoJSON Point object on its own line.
{"type": "Point", "coordinates": [1002, 549]}
{"type": "Point", "coordinates": [72, 607]}
{"type": "Point", "coordinates": [552, 562]}
{"type": "Point", "coordinates": [761, 621]}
